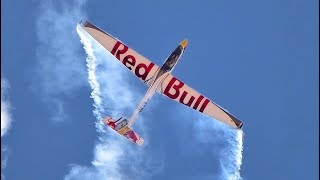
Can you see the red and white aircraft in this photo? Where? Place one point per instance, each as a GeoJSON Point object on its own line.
{"type": "Point", "coordinates": [158, 79]}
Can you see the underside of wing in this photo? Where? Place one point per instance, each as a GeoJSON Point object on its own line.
{"type": "Point", "coordinates": [182, 93]}
{"type": "Point", "coordinates": [143, 68]}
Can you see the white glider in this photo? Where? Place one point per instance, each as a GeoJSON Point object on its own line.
{"type": "Point", "coordinates": [158, 79]}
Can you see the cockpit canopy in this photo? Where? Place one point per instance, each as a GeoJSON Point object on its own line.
{"type": "Point", "coordinates": [121, 123]}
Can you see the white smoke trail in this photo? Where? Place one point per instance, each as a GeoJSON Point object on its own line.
{"type": "Point", "coordinates": [105, 76]}
{"type": "Point", "coordinates": [5, 109]}
{"type": "Point", "coordinates": [231, 160]}
{"type": "Point", "coordinates": [4, 160]}
{"type": "Point", "coordinates": [59, 71]}
{"type": "Point", "coordinates": [231, 145]}
{"type": "Point", "coordinates": [6, 121]}
{"type": "Point", "coordinates": [107, 152]}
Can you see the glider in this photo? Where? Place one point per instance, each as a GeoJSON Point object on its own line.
{"type": "Point", "coordinates": [158, 79]}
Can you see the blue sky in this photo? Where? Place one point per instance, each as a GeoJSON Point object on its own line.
{"type": "Point", "coordinates": [257, 59]}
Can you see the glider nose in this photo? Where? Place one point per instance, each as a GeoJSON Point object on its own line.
{"type": "Point", "coordinates": [184, 43]}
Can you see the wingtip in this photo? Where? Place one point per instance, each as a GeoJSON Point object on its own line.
{"type": "Point", "coordinates": [241, 125]}
{"type": "Point", "coordinates": [85, 23]}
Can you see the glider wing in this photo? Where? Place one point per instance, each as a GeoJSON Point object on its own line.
{"type": "Point", "coordinates": [143, 68]}
{"type": "Point", "coordinates": [179, 91]}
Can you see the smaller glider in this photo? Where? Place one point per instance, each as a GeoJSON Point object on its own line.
{"type": "Point", "coordinates": [158, 79]}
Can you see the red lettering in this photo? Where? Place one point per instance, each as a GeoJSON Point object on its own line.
{"type": "Point", "coordinates": [204, 105]}
{"type": "Point", "coordinates": [130, 60]}
{"type": "Point", "coordinates": [198, 102]}
{"type": "Point", "coordinates": [116, 51]}
{"type": "Point", "coordinates": [146, 69]}
{"type": "Point", "coordinates": [176, 87]}
{"type": "Point", "coordinates": [183, 96]}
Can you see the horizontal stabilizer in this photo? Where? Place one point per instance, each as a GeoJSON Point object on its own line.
{"type": "Point", "coordinates": [121, 127]}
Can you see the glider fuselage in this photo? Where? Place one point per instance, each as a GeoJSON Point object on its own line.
{"type": "Point", "coordinates": [171, 61]}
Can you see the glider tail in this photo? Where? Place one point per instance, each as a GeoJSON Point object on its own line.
{"type": "Point", "coordinates": [121, 127]}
